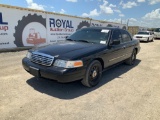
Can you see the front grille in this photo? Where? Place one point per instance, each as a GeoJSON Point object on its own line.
{"type": "Point", "coordinates": [42, 59]}
{"type": "Point", "coordinates": [138, 37]}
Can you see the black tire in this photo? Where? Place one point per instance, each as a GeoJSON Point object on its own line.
{"type": "Point", "coordinates": [93, 74]}
{"type": "Point", "coordinates": [132, 59]}
{"type": "Point", "coordinates": [21, 25]}
{"type": "Point", "coordinates": [148, 40]}
{"type": "Point", "coordinates": [82, 24]}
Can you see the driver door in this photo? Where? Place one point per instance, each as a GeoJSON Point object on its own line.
{"type": "Point", "coordinates": [115, 49]}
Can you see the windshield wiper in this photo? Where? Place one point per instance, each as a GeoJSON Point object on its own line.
{"type": "Point", "coordinates": [82, 41]}
{"type": "Point", "coordinates": [70, 39]}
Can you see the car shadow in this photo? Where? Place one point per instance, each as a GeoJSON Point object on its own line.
{"type": "Point", "coordinates": [76, 89]}
{"type": "Point", "coordinates": [157, 39]}
{"type": "Point", "coordinates": [146, 41]}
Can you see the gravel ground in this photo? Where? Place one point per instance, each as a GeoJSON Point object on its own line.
{"type": "Point", "coordinates": [125, 92]}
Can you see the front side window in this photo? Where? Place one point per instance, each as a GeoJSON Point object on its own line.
{"type": "Point", "coordinates": [116, 36]}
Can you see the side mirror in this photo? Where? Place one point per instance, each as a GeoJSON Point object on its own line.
{"type": "Point", "coordinates": [66, 37]}
{"type": "Point", "coordinates": [115, 42]}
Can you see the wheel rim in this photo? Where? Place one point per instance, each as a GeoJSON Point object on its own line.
{"type": "Point", "coordinates": [94, 73]}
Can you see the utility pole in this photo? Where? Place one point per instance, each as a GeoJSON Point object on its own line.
{"type": "Point", "coordinates": [127, 23]}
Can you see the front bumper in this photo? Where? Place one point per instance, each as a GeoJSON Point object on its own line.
{"type": "Point", "coordinates": [142, 39]}
{"type": "Point", "coordinates": [157, 36]}
{"type": "Point", "coordinates": [59, 74]}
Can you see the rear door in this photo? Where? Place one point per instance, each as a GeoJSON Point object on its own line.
{"type": "Point", "coordinates": [127, 44]}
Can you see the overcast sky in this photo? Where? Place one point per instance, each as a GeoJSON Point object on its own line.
{"type": "Point", "coordinates": [144, 13]}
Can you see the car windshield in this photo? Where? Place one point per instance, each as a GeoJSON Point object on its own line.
{"type": "Point", "coordinates": [143, 33]}
{"type": "Point", "coordinates": [90, 35]}
{"type": "Point", "coordinates": [157, 30]}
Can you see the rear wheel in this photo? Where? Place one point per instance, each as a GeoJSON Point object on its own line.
{"type": "Point", "coordinates": [132, 59]}
{"type": "Point", "coordinates": [93, 74]}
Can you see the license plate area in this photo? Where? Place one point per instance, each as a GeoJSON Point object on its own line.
{"type": "Point", "coordinates": [34, 71]}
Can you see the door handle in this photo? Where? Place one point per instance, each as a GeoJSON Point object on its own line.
{"type": "Point", "coordinates": [124, 47]}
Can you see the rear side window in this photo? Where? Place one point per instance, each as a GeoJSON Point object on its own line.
{"type": "Point", "coordinates": [125, 36]}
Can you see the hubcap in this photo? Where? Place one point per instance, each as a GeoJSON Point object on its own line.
{"type": "Point", "coordinates": [94, 74]}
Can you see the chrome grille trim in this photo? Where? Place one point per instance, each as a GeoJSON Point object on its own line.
{"type": "Point", "coordinates": [42, 59]}
{"type": "Point", "coordinates": [138, 37]}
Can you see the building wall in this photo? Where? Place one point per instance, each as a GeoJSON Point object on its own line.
{"type": "Point", "coordinates": [135, 29]}
{"type": "Point", "coordinates": [23, 27]}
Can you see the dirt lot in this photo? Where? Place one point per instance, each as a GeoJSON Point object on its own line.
{"type": "Point", "coordinates": [125, 92]}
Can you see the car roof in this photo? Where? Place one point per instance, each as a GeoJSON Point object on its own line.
{"type": "Point", "coordinates": [145, 31]}
{"type": "Point", "coordinates": [99, 28]}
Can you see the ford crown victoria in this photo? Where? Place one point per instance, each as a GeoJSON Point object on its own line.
{"type": "Point", "coordinates": [144, 36]}
{"type": "Point", "coordinates": [157, 33]}
{"type": "Point", "coordinates": [83, 56]}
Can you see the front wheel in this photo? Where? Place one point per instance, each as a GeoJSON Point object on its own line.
{"type": "Point", "coordinates": [132, 59]}
{"type": "Point", "coordinates": [93, 74]}
{"type": "Point", "coordinates": [152, 39]}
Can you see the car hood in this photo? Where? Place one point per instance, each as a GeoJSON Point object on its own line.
{"type": "Point", "coordinates": [70, 50]}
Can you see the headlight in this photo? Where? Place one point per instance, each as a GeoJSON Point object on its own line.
{"type": "Point", "coordinates": [29, 55]}
{"type": "Point", "coordinates": [68, 64]}
{"type": "Point", "coordinates": [134, 37]}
